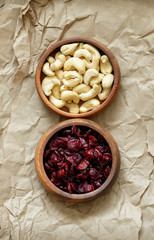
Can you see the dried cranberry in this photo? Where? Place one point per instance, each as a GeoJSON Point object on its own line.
{"type": "Point", "coordinates": [77, 160]}
{"type": "Point", "coordinates": [89, 154]}
{"type": "Point", "coordinates": [72, 144]}
{"type": "Point", "coordinates": [107, 157]}
{"type": "Point", "coordinates": [94, 173]}
{"type": "Point", "coordinates": [82, 165]}
{"type": "Point", "coordinates": [107, 171]}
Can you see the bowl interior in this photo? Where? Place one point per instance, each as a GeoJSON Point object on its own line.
{"type": "Point", "coordinates": [77, 197]}
{"type": "Point", "coordinates": [55, 48]}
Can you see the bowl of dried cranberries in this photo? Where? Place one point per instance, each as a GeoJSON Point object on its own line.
{"type": "Point", "coordinates": [77, 160]}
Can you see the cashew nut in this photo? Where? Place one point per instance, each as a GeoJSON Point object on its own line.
{"type": "Point", "coordinates": [90, 73]}
{"type": "Point", "coordinates": [97, 80]}
{"type": "Point", "coordinates": [57, 54]}
{"type": "Point", "coordinates": [63, 88]}
{"type": "Point", "coordinates": [107, 81]}
{"type": "Point", "coordinates": [75, 63]}
{"type": "Point", "coordinates": [48, 83]}
{"type": "Point", "coordinates": [81, 88]}
{"type": "Point", "coordinates": [47, 70]}
{"type": "Point", "coordinates": [83, 53]}
{"type": "Point", "coordinates": [91, 94]}
{"type": "Point", "coordinates": [70, 96]}
{"type": "Point", "coordinates": [50, 59]}
{"type": "Point", "coordinates": [95, 57]}
{"type": "Point", "coordinates": [68, 48]}
{"type": "Point", "coordinates": [56, 102]}
{"type": "Point", "coordinates": [72, 82]}
{"type": "Point", "coordinates": [59, 74]}
{"type": "Point", "coordinates": [59, 63]}
{"type": "Point", "coordinates": [104, 94]}
{"type": "Point", "coordinates": [105, 65]}
{"type": "Point", "coordinates": [93, 64]}
{"type": "Point", "coordinates": [72, 107]}
{"type": "Point", "coordinates": [71, 78]}
{"type": "Point", "coordinates": [67, 57]}
{"type": "Point", "coordinates": [80, 46]}
{"type": "Point", "coordinates": [71, 74]}
{"type": "Point", "coordinates": [56, 92]}
{"type": "Point", "coordinates": [92, 50]}
{"type": "Point", "coordinates": [89, 105]}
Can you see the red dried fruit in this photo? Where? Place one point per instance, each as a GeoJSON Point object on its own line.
{"type": "Point", "coordinates": [82, 143]}
{"type": "Point", "coordinates": [98, 152]}
{"type": "Point", "coordinates": [89, 188]}
{"type": "Point", "coordinates": [89, 154]}
{"type": "Point", "coordinates": [69, 187]}
{"type": "Point", "coordinates": [107, 171]}
{"type": "Point", "coordinates": [107, 157]}
{"type": "Point", "coordinates": [97, 183]}
{"type": "Point", "coordinates": [77, 160]}
{"type": "Point", "coordinates": [74, 186]}
{"type": "Point", "coordinates": [72, 144]}
{"type": "Point", "coordinates": [61, 173]}
{"type": "Point", "coordinates": [82, 165]}
{"type": "Point", "coordinates": [94, 173]}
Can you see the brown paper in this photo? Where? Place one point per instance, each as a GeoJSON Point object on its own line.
{"type": "Point", "coordinates": [27, 210]}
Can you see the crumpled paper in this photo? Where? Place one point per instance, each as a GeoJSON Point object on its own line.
{"type": "Point", "coordinates": [27, 210]}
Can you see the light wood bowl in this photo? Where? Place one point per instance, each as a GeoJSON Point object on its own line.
{"type": "Point", "coordinates": [55, 48]}
{"type": "Point", "coordinates": [76, 197]}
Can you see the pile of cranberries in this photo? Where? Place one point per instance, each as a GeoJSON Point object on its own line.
{"type": "Point", "coordinates": [77, 159]}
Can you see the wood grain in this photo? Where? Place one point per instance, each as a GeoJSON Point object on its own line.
{"type": "Point", "coordinates": [76, 197]}
{"type": "Point", "coordinates": [103, 50]}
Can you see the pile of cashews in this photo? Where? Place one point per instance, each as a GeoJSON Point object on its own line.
{"type": "Point", "coordinates": [77, 78]}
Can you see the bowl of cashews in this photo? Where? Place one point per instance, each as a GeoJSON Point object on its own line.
{"type": "Point", "coordinates": [77, 77]}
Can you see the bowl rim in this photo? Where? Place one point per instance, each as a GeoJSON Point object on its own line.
{"type": "Point", "coordinates": [101, 47]}
{"type": "Point", "coordinates": [55, 190]}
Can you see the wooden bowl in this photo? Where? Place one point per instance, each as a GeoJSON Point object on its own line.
{"type": "Point", "coordinates": [55, 48]}
{"type": "Point", "coordinates": [76, 197]}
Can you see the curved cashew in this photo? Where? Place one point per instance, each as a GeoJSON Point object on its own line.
{"type": "Point", "coordinates": [50, 59]}
{"type": "Point", "coordinates": [71, 78]}
{"type": "Point", "coordinates": [105, 65]}
{"type": "Point", "coordinates": [97, 80]}
{"type": "Point", "coordinates": [56, 102]}
{"type": "Point", "coordinates": [90, 73]}
{"type": "Point", "coordinates": [83, 53]}
{"type": "Point", "coordinates": [72, 82]}
{"type": "Point", "coordinates": [92, 50]}
{"type": "Point", "coordinates": [72, 107]}
{"type": "Point", "coordinates": [67, 57]}
{"type": "Point", "coordinates": [80, 46]}
{"type": "Point", "coordinates": [89, 105]}
{"type": "Point", "coordinates": [71, 74]}
{"type": "Point", "coordinates": [68, 48]}
{"type": "Point", "coordinates": [48, 83]}
{"type": "Point", "coordinates": [58, 54]}
{"type": "Point", "coordinates": [59, 63]}
{"type": "Point", "coordinates": [47, 70]}
{"type": "Point", "coordinates": [81, 88]}
{"type": "Point", "coordinates": [63, 88]}
{"type": "Point", "coordinates": [104, 94]}
{"type": "Point", "coordinates": [70, 96]}
{"type": "Point", "coordinates": [56, 92]}
{"type": "Point", "coordinates": [75, 63]}
{"type": "Point", "coordinates": [59, 74]}
{"type": "Point", "coordinates": [95, 57]}
{"type": "Point", "coordinates": [93, 64]}
{"type": "Point", "coordinates": [107, 81]}
{"type": "Point", "coordinates": [91, 94]}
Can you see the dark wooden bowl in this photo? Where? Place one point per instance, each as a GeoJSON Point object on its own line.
{"type": "Point", "coordinates": [55, 48]}
{"type": "Point", "coordinates": [76, 197]}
